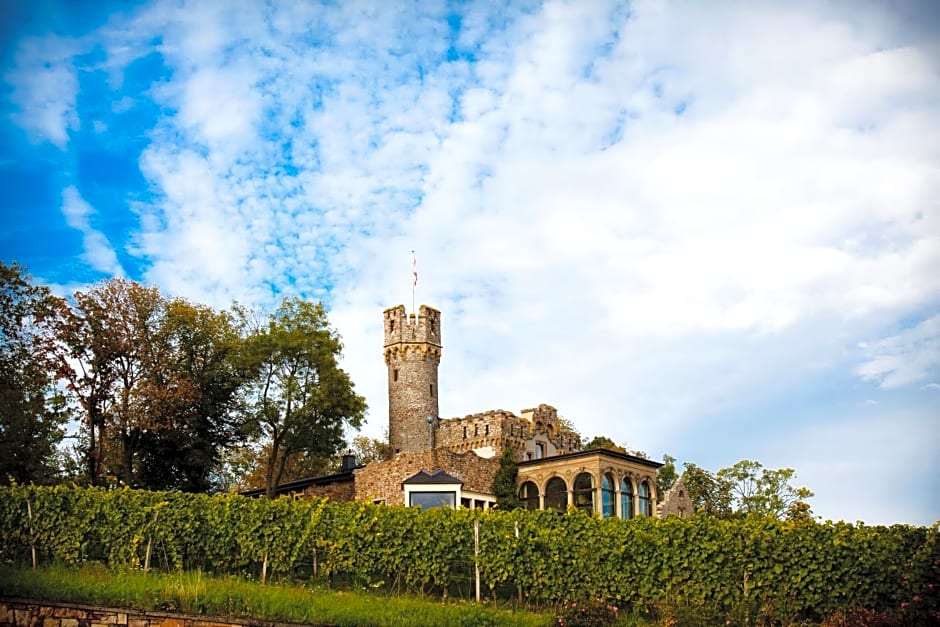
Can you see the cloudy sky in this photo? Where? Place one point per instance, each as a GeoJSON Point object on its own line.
{"type": "Point", "coordinates": [708, 229]}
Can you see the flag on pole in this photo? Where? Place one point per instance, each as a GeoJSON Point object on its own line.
{"type": "Point", "coordinates": [414, 267]}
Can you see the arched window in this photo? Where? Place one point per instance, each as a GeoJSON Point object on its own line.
{"type": "Point", "coordinates": [646, 505]}
{"type": "Point", "coordinates": [584, 492]}
{"type": "Point", "coordinates": [556, 494]}
{"type": "Point", "coordinates": [626, 498]}
{"type": "Point", "coordinates": [529, 495]}
{"type": "Point", "coordinates": [608, 501]}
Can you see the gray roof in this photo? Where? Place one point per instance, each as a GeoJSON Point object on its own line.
{"type": "Point", "coordinates": [435, 476]}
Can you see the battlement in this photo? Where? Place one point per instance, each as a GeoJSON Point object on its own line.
{"type": "Point", "coordinates": [404, 328]}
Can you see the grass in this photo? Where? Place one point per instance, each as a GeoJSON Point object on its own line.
{"type": "Point", "coordinates": [198, 593]}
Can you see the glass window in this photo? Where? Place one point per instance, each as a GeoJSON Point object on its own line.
{"type": "Point", "coordinates": [584, 492]}
{"type": "Point", "coordinates": [626, 498]}
{"type": "Point", "coordinates": [646, 505]}
{"type": "Point", "coordinates": [539, 450]}
{"type": "Point", "coordinates": [529, 495]}
{"type": "Point", "coordinates": [428, 500]}
{"type": "Point", "coordinates": [556, 494]}
{"type": "Point", "coordinates": [608, 502]}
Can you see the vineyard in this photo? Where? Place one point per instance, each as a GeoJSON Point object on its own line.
{"type": "Point", "coordinates": [780, 570]}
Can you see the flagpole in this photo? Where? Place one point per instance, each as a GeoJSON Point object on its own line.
{"type": "Point", "coordinates": [414, 282]}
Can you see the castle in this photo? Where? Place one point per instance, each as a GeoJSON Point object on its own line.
{"type": "Point", "coordinates": [452, 462]}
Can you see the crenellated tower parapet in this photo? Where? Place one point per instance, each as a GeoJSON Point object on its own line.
{"type": "Point", "coordinates": [412, 354]}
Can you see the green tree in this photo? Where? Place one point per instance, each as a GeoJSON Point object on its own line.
{"type": "Point", "coordinates": [193, 392]}
{"type": "Point", "coordinates": [301, 400]}
{"type": "Point", "coordinates": [709, 494]}
{"type": "Point", "coordinates": [666, 476]}
{"type": "Point", "coordinates": [764, 491]}
{"type": "Point", "coordinates": [504, 482]}
{"type": "Point", "coordinates": [32, 412]}
{"type": "Point", "coordinates": [602, 441]}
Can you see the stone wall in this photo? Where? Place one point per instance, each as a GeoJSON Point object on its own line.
{"type": "Point", "coordinates": [412, 354]}
{"type": "Point", "coordinates": [381, 481]}
{"type": "Point", "coordinates": [488, 432]}
{"type": "Point", "coordinates": [676, 502]}
{"type": "Point", "coordinates": [28, 613]}
{"type": "Point", "coordinates": [339, 491]}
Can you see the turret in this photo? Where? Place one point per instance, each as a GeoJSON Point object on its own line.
{"type": "Point", "coordinates": [412, 354]}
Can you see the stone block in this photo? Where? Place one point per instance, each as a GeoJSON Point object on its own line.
{"type": "Point", "coordinates": [21, 617]}
{"type": "Point", "coordinates": [68, 622]}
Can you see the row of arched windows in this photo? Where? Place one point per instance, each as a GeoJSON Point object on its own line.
{"type": "Point", "coordinates": [583, 495]}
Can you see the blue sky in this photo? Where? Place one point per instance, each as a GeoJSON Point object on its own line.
{"type": "Point", "coordinates": [703, 229]}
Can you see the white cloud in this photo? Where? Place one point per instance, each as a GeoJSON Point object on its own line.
{"type": "Point", "coordinates": [98, 252]}
{"type": "Point", "coordinates": [45, 86]}
{"type": "Point", "coordinates": [647, 219]}
{"type": "Point", "coordinates": [911, 356]}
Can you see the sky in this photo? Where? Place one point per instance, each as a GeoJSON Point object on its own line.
{"type": "Point", "coordinates": [703, 229]}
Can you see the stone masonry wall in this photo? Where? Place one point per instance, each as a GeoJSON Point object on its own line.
{"type": "Point", "coordinates": [382, 480]}
{"type": "Point", "coordinates": [412, 354]}
{"type": "Point", "coordinates": [676, 502]}
{"type": "Point", "coordinates": [340, 491]}
{"type": "Point", "coordinates": [499, 428]}
{"type": "Point", "coordinates": [29, 613]}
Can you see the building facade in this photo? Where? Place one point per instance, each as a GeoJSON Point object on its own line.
{"type": "Point", "coordinates": [450, 462]}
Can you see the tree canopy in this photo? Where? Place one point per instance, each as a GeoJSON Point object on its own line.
{"type": "Point", "coordinates": [299, 399]}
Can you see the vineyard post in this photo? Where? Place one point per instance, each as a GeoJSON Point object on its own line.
{"type": "Point", "coordinates": [476, 555]}
{"type": "Point", "coordinates": [156, 513]}
{"type": "Point", "coordinates": [518, 587]}
{"type": "Point", "coordinates": [32, 539]}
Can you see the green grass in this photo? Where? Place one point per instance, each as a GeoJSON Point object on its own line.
{"type": "Point", "coordinates": [198, 593]}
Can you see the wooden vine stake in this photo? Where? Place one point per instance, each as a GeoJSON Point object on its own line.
{"type": "Point", "coordinates": [32, 542]}
{"type": "Point", "coordinates": [264, 569]}
{"type": "Point", "coordinates": [476, 555]}
{"type": "Point", "coordinates": [156, 513]}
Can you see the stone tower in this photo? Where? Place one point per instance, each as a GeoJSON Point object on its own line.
{"type": "Point", "coordinates": [412, 354]}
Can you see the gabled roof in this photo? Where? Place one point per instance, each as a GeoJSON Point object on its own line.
{"type": "Point", "coordinates": [298, 485]}
{"type": "Point", "coordinates": [434, 477]}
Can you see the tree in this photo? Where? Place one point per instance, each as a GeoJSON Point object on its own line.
{"type": "Point", "coordinates": [301, 400]}
{"type": "Point", "coordinates": [32, 412]}
{"type": "Point", "coordinates": [504, 482]}
{"type": "Point", "coordinates": [193, 393]}
{"type": "Point", "coordinates": [155, 380]}
{"type": "Point", "coordinates": [709, 494]}
{"type": "Point", "coordinates": [368, 450]}
{"type": "Point", "coordinates": [602, 441]}
{"type": "Point", "coordinates": [764, 491]}
{"type": "Point", "coordinates": [666, 477]}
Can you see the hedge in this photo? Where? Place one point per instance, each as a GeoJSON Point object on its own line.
{"type": "Point", "coordinates": [760, 566]}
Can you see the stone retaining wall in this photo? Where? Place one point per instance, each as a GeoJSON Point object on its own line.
{"type": "Point", "coordinates": [30, 613]}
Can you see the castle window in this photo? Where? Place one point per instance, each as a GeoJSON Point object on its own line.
{"type": "Point", "coordinates": [465, 432]}
{"type": "Point", "coordinates": [486, 430]}
{"type": "Point", "coordinates": [556, 494]}
{"type": "Point", "coordinates": [433, 326]}
{"type": "Point", "coordinates": [626, 498]}
{"type": "Point", "coordinates": [539, 450]}
{"type": "Point", "coordinates": [646, 504]}
{"type": "Point", "coordinates": [391, 325]}
{"type": "Point", "coordinates": [432, 389]}
{"type": "Point", "coordinates": [529, 495]}
{"type": "Point", "coordinates": [476, 430]}
{"type": "Point", "coordinates": [584, 492]}
{"type": "Point", "coordinates": [395, 374]}
{"type": "Point", "coordinates": [608, 502]}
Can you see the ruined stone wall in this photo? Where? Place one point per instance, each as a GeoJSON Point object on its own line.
{"type": "Point", "coordinates": [25, 613]}
{"type": "Point", "coordinates": [382, 480]}
{"type": "Point", "coordinates": [676, 502]}
{"type": "Point", "coordinates": [498, 428]}
{"type": "Point", "coordinates": [412, 354]}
